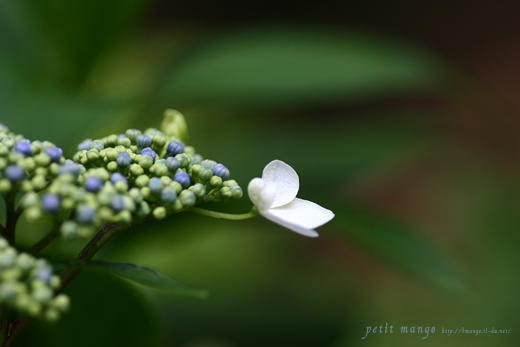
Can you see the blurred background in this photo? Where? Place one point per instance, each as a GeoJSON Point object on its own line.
{"type": "Point", "coordinates": [402, 117]}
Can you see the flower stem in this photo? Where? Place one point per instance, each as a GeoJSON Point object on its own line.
{"type": "Point", "coordinates": [44, 242]}
{"type": "Point", "coordinates": [221, 215]}
{"type": "Point", "coordinates": [103, 235]}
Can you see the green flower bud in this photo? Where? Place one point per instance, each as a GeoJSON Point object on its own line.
{"type": "Point", "coordinates": [204, 173]}
{"type": "Point", "coordinates": [33, 214]}
{"type": "Point", "coordinates": [34, 308]}
{"type": "Point", "coordinates": [144, 209]}
{"type": "Point", "coordinates": [68, 203]}
{"type": "Point", "coordinates": [136, 170]}
{"type": "Point", "coordinates": [27, 164]}
{"type": "Point", "coordinates": [112, 166]}
{"type": "Point", "coordinates": [61, 302]}
{"type": "Point", "coordinates": [3, 163]}
{"type": "Point", "coordinates": [42, 294]}
{"type": "Point", "coordinates": [142, 181]}
{"type": "Point", "coordinates": [69, 229]}
{"type": "Point", "coordinates": [236, 192]}
{"type": "Point", "coordinates": [110, 154]}
{"type": "Point", "coordinates": [183, 159]}
{"type": "Point", "coordinates": [215, 182]}
{"type": "Point", "coordinates": [27, 186]}
{"type": "Point", "coordinates": [158, 170]}
{"type": "Point", "coordinates": [7, 257]}
{"type": "Point", "coordinates": [174, 124]}
{"type": "Point", "coordinates": [125, 142]}
{"type": "Point", "coordinates": [146, 193]}
{"type": "Point", "coordinates": [198, 189]}
{"type": "Point", "coordinates": [85, 231]}
{"type": "Point", "coordinates": [111, 141]}
{"type": "Point", "coordinates": [159, 141]}
{"type": "Point", "coordinates": [124, 217]}
{"type": "Point", "coordinates": [30, 199]}
{"type": "Point", "coordinates": [159, 212]}
{"type": "Point", "coordinates": [51, 315]}
{"type": "Point", "coordinates": [229, 183]}
{"type": "Point", "coordinates": [187, 198]}
{"type": "Point", "coordinates": [39, 182]}
{"type": "Point", "coordinates": [106, 213]}
{"type": "Point", "coordinates": [93, 155]}
{"type": "Point", "coordinates": [5, 186]}
{"type": "Point", "coordinates": [176, 186]}
{"type": "Point", "coordinates": [55, 282]}
{"type": "Point", "coordinates": [146, 162]}
{"type": "Point", "coordinates": [121, 187]}
{"type": "Point", "coordinates": [136, 195]}
{"type": "Point", "coordinates": [25, 261]}
{"type": "Point", "coordinates": [41, 171]}
{"type": "Point", "coordinates": [225, 193]}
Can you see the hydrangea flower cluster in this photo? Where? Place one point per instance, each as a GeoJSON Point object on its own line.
{"type": "Point", "coordinates": [26, 165]}
{"type": "Point", "coordinates": [28, 284]}
{"type": "Point", "coordinates": [135, 174]}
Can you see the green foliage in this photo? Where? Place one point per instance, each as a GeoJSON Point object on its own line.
{"type": "Point", "coordinates": [141, 275]}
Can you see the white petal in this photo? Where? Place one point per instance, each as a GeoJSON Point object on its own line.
{"type": "Point", "coordinates": [286, 180]}
{"type": "Point", "coordinates": [296, 228]}
{"type": "Point", "coordinates": [300, 216]}
{"type": "Point", "coordinates": [255, 189]}
{"type": "Point", "coordinates": [303, 213]}
{"type": "Point", "coordinates": [261, 193]}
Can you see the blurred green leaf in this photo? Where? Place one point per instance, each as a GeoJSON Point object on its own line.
{"type": "Point", "coordinates": [281, 65]}
{"type": "Point", "coordinates": [141, 275]}
{"type": "Point", "coordinates": [398, 244]}
{"type": "Point", "coordinates": [104, 310]}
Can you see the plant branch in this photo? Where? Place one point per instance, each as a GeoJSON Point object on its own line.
{"type": "Point", "coordinates": [103, 235]}
{"type": "Point", "coordinates": [221, 215]}
{"type": "Point", "coordinates": [44, 242]}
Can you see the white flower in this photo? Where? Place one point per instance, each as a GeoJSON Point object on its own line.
{"type": "Point", "coordinates": [274, 195]}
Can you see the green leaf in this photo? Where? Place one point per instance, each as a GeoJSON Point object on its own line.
{"type": "Point", "coordinates": [400, 246]}
{"type": "Point", "coordinates": [283, 65]}
{"type": "Point", "coordinates": [141, 275]}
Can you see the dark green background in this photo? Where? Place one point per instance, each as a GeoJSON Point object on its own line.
{"type": "Point", "coordinates": [401, 118]}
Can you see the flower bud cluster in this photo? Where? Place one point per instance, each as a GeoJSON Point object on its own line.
{"type": "Point", "coordinates": [119, 177]}
{"type": "Point", "coordinates": [26, 165]}
{"type": "Point", "coordinates": [28, 285]}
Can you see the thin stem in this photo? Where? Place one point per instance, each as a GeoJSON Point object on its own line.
{"type": "Point", "coordinates": [221, 215]}
{"type": "Point", "coordinates": [103, 235]}
{"type": "Point", "coordinates": [4, 321]}
{"type": "Point", "coordinates": [44, 242]}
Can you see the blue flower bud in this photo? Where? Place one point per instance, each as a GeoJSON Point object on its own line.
{"type": "Point", "coordinates": [221, 171]}
{"type": "Point", "coordinates": [85, 214]}
{"type": "Point", "coordinates": [148, 151]}
{"type": "Point", "coordinates": [172, 164]}
{"type": "Point", "coordinates": [23, 146]}
{"type": "Point", "coordinates": [117, 203]}
{"type": "Point", "coordinates": [133, 134]}
{"type": "Point", "coordinates": [44, 274]}
{"type": "Point", "coordinates": [123, 160]}
{"type": "Point", "coordinates": [85, 145]}
{"type": "Point", "coordinates": [175, 148]}
{"type": "Point", "coordinates": [14, 173]}
{"type": "Point", "coordinates": [155, 185]}
{"type": "Point", "coordinates": [168, 195]}
{"type": "Point", "coordinates": [93, 184]}
{"type": "Point", "coordinates": [50, 203]}
{"type": "Point", "coordinates": [55, 154]}
{"type": "Point", "coordinates": [143, 141]}
{"type": "Point", "coordinates": [117, 177]}
{"type": "Point", "coordinates": [183, 178]}
{"type": "Point", "coordinates": [97, 144]}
